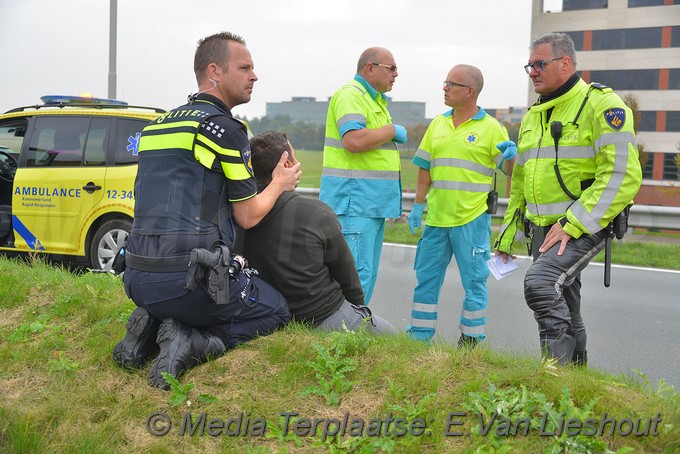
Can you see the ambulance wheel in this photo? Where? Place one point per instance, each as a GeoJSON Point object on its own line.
{"type": "Point", "coordinates": [107, 241]}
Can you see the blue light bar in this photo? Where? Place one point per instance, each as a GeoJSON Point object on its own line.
{"type": "Point", "coordinates": [60, 99]}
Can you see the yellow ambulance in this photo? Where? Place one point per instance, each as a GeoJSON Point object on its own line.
{"type": "Point", "coordinates": [67, 171]}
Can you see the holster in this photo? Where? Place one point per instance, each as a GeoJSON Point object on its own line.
{"type": "Point", "coordinates": [528, 233]}
{"type": "Point", "coordinates": [615, 229]}
{"type": "Point", "coordinates": [118, 264]}
{"type": "Point", "coordinates": [209, 268]}
{"type": "Point", "coordinates": [620, 223]}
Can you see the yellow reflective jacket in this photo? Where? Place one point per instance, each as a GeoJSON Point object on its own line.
{"type": "Point", "coordinates": [360, 184]}
{"type": "Point", "coordinates": [596, 155]}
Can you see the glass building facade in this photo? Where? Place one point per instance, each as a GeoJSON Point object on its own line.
{"type": "Point", "coordinates": [632, 46]}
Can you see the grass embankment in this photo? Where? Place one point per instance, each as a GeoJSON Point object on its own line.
{"type": "Point", "coordinates": [61, 392]}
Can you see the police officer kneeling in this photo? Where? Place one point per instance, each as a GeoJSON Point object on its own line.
{"type": "Point", "coordinates": [193, 181]}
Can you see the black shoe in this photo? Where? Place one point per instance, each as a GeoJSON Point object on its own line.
{"type": "Point", "coordinates": [182, 348]}
{"type": "Point", "coordinates": [467, 341]}
{"type": "Point", "coordinates": [580, 358]}
{"type": "Point", "coordinates": [139, 343]}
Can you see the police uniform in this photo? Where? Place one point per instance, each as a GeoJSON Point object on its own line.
{"type": "Point", "coordinates": [461, 161]}
{"type": "Point", "coordinates": [597, 160]}
{"type": "Point", "coordinates": [194, 161]}
{"type": "Point", "coordinates": [361, 188]}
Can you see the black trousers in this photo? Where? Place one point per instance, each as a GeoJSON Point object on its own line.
{"type": "Point", "coordinates": [552, 290]}
{"type": "Point", "coordinates": [164, 296]}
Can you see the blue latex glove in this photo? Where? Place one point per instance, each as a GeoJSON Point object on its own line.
{"type": "Point", "coordinates": [508, 148]}
{"type": "Point", "coordinates": [415, 217]}
{"type": "Point", "coordinates": [400, 135]}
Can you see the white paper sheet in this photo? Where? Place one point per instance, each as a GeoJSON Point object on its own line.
{"type": "Point", "coordinates": [500, 269]}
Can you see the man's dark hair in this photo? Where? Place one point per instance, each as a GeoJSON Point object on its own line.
{"type": "Point", "coordinates": [267, 148]}
{"type": "Point", "coordinates": [213, 49]}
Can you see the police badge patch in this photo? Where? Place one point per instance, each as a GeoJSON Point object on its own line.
{"type": "Point", "coordinates": [247, 159]}
{"type": "Point", "coordinates": [615, 118]}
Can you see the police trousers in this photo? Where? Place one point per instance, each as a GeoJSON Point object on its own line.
{"type": "Point", "coordinates": [552, 290]}
{"type": "Point", "coordinates": [164, 296]}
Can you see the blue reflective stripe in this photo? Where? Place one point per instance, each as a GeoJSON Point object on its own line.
{"type": "Point", "coordinates": [420, 162]}
{"type": "Point", "coordinates": [351, 125]}
{"type": "Point", "coordinates": [26, 234]}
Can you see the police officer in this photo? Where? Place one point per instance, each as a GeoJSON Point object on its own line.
{"type": "Point", "coordinates": [194, 179]}
{"type": "Point", "coordinates": [576, 169]}
{"type": "Point", "coordinates": [361, 179]}
{"type": "Point", "coordinates": [457, 158]}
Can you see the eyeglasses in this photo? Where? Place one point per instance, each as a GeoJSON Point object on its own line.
{"type": "Point", "coordinates": [538, 65]}
{"type": "Point", "coordinates": [450, 84]}
{"type": "Point", "coordinates": [392, 68]}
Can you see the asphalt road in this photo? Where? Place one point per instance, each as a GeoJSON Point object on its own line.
{"type": "Point", "coordinates": [632, 325]}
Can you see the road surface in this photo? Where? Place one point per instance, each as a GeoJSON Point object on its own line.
{"type": "Point", "coordinates": [632, 325]}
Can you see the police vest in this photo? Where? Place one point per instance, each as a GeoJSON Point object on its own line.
{"type": "Point", "coordinates": [176, 196]}
{"type": "Point", "coordinates": [360, 184]}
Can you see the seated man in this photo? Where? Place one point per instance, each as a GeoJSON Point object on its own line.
{"type": "Point", "coordinates": [299, 249]}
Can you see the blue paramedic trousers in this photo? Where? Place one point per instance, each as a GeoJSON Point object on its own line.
{"type": "Point", "coordinates": [470, 244]}
{"type": "Point", "coordinates": [365, 238]}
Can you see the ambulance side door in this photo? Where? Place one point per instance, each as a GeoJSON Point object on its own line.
{"type": "Point", "coordinates": [59, 182]}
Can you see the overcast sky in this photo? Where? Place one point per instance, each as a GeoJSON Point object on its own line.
{"type": "Point", "coordinates": [300, 47]}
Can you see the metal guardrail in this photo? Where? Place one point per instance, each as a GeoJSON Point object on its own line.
{"type": "Point", "coordinates": [641, 216]}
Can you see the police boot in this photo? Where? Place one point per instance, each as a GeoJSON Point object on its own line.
{"type": "Point", "coordinates": [182, 347]}
{"type": "Point", "coordinates": [139, 343]}
{"type": "Point", "coordinates": [558, 345]}
{"type": "Point", "coordinates": [580, 358]}
{"type": "Point", "coordinates": [467, 341]}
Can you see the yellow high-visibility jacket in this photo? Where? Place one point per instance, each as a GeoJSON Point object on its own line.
{"type": "Point", "coordinates": [597, 158]}
{"type": "Point", "coordinates": [360, 184]}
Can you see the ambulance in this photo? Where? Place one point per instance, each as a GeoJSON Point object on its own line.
{"type": "Point", "coordinates": [67, 171]}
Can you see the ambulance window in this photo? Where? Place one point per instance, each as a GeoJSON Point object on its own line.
{"type": "Point", "coordinates": [12, 136]}
{"type": "Point", "coordinates": [57, 141]}
{"type": "Point", "coordinates": [125, 140]}
{"type": "Point", "coordinates": [95, 148]}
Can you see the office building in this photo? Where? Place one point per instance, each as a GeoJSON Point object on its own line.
{"type": "Point", "coordinates": [632, 46]}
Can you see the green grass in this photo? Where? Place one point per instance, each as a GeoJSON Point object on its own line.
{"type": "Point", "coordinates": [61, 392]}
